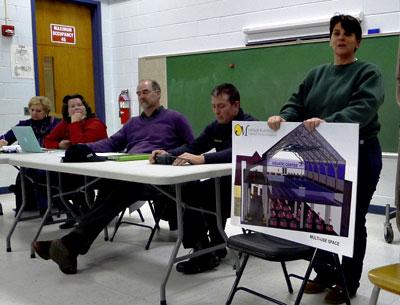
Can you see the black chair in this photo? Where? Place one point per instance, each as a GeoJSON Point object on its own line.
{"type": "Point", "coordinates": [136, 207]}
{"type": "Point", "coordinates": [272, 249]}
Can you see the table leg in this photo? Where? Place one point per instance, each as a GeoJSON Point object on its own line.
{"type": "Point", "coordinates": [21, 209]}
{"type": "Point", "coordinates": [172, 259]}
{"type": "Point", "coordinates": [90, 203]}
{"type": "Point", "coordinates": [218, 211]}
{"type": "Point", "coordinates": [174, 255]}
{"type": "Point", "coordinates": [218, 208]}
{"type": "Point", "coordinates": [48, 211]}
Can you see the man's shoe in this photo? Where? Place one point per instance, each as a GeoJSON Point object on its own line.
{"type": "Point", "coordinates": [198, 264]}
{"type": "Point", "coordinates": [337, 295]}
{"type": "Point", "coordinates": [49, 218]}
{"type": "Point", "coordinates": [42, 248]}
{"type": "Point", "coordinates": [12, 188]}
{"type": "Point", "coordinates": [315, 286]}
{"type": "Point", "coordinates": [68, 224]}
{"type": "Point", "coordinates": [66, 261]}
{"type": "Point", "coordinates": [221, 253]}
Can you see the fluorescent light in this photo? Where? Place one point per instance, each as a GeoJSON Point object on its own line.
{"type": "Point", "coordinates": [299, 29]}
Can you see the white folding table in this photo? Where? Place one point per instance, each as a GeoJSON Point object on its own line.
{"type": "Point", "coordinates": [133, 171]}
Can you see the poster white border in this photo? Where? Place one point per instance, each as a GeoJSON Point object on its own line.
{"type": "Point", "coordinates": [252, 137]}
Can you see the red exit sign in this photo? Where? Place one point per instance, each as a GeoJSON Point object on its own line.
{"type": "Point", "coordinates": [62, 33]}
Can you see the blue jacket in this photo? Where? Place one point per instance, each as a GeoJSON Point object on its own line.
{"type": "Point", "coordinates": [41, 128]}
{"type": "Point", "coordinates": [215, 135]}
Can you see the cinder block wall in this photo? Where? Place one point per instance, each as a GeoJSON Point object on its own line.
{"type": "Point", "coordinates": [137, 28]}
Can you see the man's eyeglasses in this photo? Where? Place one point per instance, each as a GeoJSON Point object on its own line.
{"type": "Point", "coordinates": [144, 92]}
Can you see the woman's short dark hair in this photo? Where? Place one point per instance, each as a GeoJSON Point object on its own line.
{"type": "Point", "coordinates": [65, 114]}
{"type": "Point", "coordinates": [349, 24]}
{"type": "Point", "coordinates": [230, 90]}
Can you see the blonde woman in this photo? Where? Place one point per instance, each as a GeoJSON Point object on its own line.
{"type": "Point", "coordinates": [42, 123]}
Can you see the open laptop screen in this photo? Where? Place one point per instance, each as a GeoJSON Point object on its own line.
{"type": "Point", "coordinates": [27, 139]}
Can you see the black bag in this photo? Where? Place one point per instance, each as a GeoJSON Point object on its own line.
{"type": "Point", "coordinates": [31, 204]}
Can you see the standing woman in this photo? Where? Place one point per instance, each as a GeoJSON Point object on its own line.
{"type": "Point", "coordinates": [42, 123]}
{"type": "Point", "coordinates": [79, 125]}
{"type": "Point", "coordinates": [346, 91]}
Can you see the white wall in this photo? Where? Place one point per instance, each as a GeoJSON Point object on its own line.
{"type": "Point", "coordinates": [145, 28]}
{"type": "Point", "coordinates": [14, 93]}
{"type": "Point", "coordinates": [138, 28]}
{"type": "Point", "coordinates": [110, 90]}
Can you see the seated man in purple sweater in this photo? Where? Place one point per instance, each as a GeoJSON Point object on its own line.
{"type": "Point", "coordinates": [156, 128]}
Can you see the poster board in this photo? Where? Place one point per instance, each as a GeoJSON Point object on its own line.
{"type": "Point", "coordinates": [21, 61]}
{"type": "Point", "coordinates": [296, 184]}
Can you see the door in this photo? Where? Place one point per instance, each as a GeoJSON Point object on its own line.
{"type": "Point", "coordinates": [65, 66]}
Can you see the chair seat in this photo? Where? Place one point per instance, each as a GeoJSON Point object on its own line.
{"type": "Point", "coordinates": [269, 247]}
{"type": "Point", "coordinates": [386, 277]}
{"type": "Point", "coordinates": [136, 205]}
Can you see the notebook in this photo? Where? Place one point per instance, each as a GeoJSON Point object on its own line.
{"type": "Point", "coordinates": [128, 157]}
{"type": "Point", "coordinates": [27, 139]}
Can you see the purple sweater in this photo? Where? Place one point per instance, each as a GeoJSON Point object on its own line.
{"type": "Point", "coordinates": [164, 129]}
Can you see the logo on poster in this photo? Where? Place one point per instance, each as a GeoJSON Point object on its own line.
{"type": "Point", "coordinates": [248, 130]}
{"type": "Point", "coordinates": [239, 130]}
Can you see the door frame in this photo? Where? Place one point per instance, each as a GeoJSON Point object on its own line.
{"type": "Point", "coordinates": [97, 47]}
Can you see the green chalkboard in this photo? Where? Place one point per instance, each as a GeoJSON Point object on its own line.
{"type": "Point", "coordinates": [267, 76]}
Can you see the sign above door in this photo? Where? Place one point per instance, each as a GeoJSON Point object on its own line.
{"type": "Point", "coordinates": [62, 34]}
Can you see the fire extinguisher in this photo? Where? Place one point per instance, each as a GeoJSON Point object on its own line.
{"type": "Point", "coordinates": [124, 106]}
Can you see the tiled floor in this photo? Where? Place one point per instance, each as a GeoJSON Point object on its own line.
{"type": "Point", "coordinates": [124, 273]}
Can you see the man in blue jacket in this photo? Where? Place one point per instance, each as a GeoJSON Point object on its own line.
{"type": "Point", "coordinates": [214, 145]}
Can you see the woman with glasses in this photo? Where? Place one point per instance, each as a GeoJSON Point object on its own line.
{"type": "Point", "coordinates": [79, 125]}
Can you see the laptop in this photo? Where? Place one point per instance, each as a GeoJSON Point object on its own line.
{"type": "Point", "coordinates": [27, 139]}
